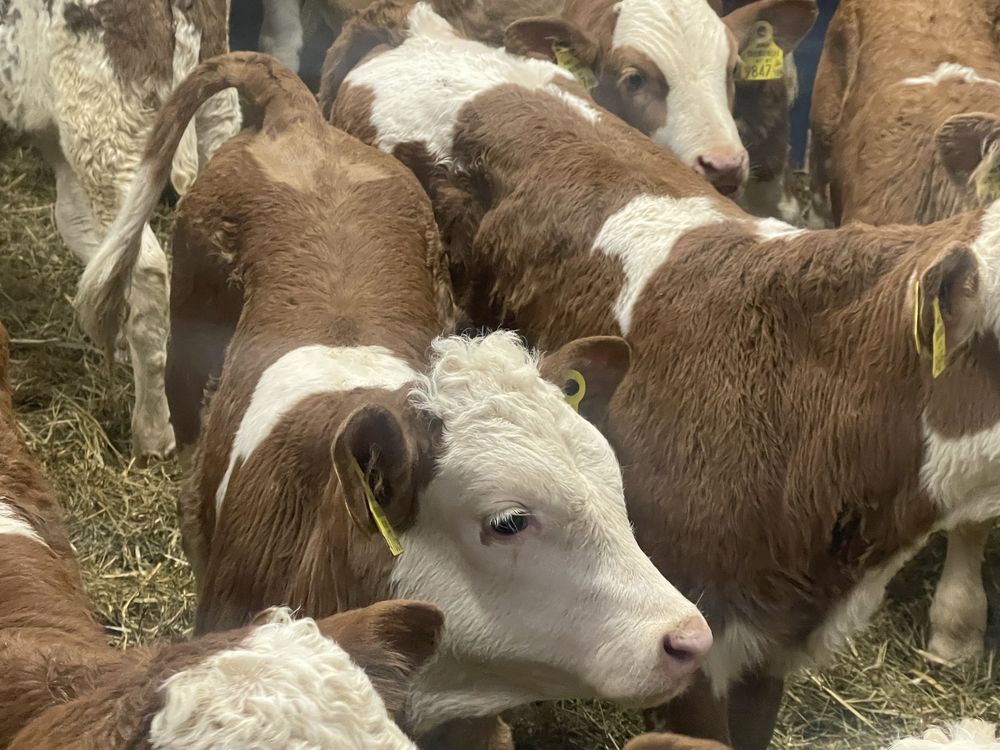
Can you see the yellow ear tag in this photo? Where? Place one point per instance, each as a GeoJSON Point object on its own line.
{"type": "Point", "coordinates": [940, 354]}
{"type": "Point", "coordinates": [381, 520]}
{"type": "Point", "coordinates": [988, 180]}
{"type": "Point", "coordinates": [574, 399]}
{"type": "Point", "coordinates": [916, 317]}
{"type": "Point", "coordinates": [762, 59]}
{"type": "Point", "coordinates": [567, 60]}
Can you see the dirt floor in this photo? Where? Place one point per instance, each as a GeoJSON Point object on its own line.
{"type": "Point", "coordinates": [76, 414]}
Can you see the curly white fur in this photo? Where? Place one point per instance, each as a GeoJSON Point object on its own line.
{"type": "Point", "coordinates": [287, 687]}
{"type": "Point", "coordinates": [967, 734]}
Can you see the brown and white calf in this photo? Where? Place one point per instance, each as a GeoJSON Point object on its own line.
{"type": "Point", "coordinates": [784, 444]}
{"type": "Point", "coordinates": [274, 684]}
{"type": "Point", "coordinates": [83, 80]}
{"type": "Point", "coordinates": [906, 124]}
{"type": "Point", "coordinates": [508, 505]}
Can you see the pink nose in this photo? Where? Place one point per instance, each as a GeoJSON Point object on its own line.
{"type": "Point", "coordinates": [727, 171]}
{"type": "Point", "coordinates": [687, 646]}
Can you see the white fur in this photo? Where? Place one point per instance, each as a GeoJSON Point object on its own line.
{"type": "Point", "coordinates": [949, 72]}
{"type": "Point", "coordinates": [11, 523]}
{"type": "Point", "coordinates": [286, 687]}
{"type": "Point", "coordinates": [690, 45]}
{"type": "Point", "coordinates": [737, 648]}
{"type": "Point", "coordinates": [775, 229]}
{"type": "Point", "coordinates": [422, 85]}
{"type": "Point", "coordinates": [967, 734]}
{"type": "Point", "coordinates": [187, 47]}
{"type": "Point", "coordinates": [642, 234]}
{"type": "Point", "coordinates": [569, 607]}
{"type": "Point", "coordinates": [299, 374]}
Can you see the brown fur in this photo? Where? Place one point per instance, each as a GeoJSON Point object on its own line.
{"type": "Point", "coordinates": [63, 686]}
{"type": "Point", "coordinates": [139, 34]}
{"type": "Point", "coordinates": [874, 151]}
{"type": "Point", "coordinates": [746, 416]}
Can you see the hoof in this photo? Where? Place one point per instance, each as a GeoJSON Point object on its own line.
{"type": "Point", "coordinates": [153, 445]}
{"type": "Point", "coordinates": [950, 651]}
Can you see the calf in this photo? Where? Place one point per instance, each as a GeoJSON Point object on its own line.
{"type": "Point", "coordinates": [335, 469]}
{"type": "Point", "coordinates": [83, 80]}
{"type": "Point", "coordinates": [785, 445]}
{"type": "Point", "coordinates": [64, 687]}
{"type": "Point", "coordinates": [908, 94]}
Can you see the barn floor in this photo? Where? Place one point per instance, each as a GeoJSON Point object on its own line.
{"type": "Point", "coordinates": [76, 415]}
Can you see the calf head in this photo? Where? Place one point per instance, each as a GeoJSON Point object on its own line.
{"type": "Point", "coordinates": [521, 537]}
{"type": "Point", "coordinates": [668, 68]}
{"type": "Point", "coordinates": [275, 684]}
{"type": "Point", "coordinates": [969, 147]}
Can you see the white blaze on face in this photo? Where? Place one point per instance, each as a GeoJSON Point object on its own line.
{"type": "Point", "coordinates": [422, 85]}
{"type": "Point", "coordinates": [522, 538]}
{"type": "Point", "coordinates": [691, 46]}
{"type": "Point", "coordinates": [286, 687]}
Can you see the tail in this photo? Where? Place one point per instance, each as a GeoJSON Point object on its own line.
{"type": "Point", "coordinates": [284, 101]}
{"type": "Point", "coordinates": [187, 50]}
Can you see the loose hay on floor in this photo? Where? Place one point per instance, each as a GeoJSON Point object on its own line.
{"type": "Point", "coordinates": [122, 520]}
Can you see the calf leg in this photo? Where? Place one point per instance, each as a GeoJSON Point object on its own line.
{"type": "Point", "coordinates": [697, 712]}
{"type": "Point", "coordinates": [958, 611]}
{"type": "Point", "coordinates": [74, 219]}
{"type": "Point", "coordinates": [753, 710]}
{"type": "Point", "coordinates": [281, 31]}
{"type": "Point", "coordinates": [489, 733]}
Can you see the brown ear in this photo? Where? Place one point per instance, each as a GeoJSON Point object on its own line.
{"type": "Point", "coordinates": [390, 641]}
{"type": "Point", "coordinates": [383, 23]}
{"type": "Point", "coordinates": [539, 36]}
{"type": "Point", "coordinates": [953, 279]}
{"type": "Point", "coordinates": [963, 140]}
{"type": "Point", "coordinates": [601, 360]}
{"type": "Point", "coordinates": [791, 20]}
{"type": "Point", "coordinates": [374, 452]}
{"type": "Point", "coordinates": [672, 742]}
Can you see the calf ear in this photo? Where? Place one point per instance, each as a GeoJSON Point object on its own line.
{"type": "Point", "coordinates": [589, 371]}
{"type": "Point", "coordinates": [791, 20]}
{"type": "Point", "coordinates": [539, 37]}
{"type": "Point", "coordinates": [964, 140]}
{"type": "Point", "coordinates": [375, 459]}
{"type": "Point", "coordinates": [390, 641]}
{"type": "Point", "coordinates": [672, 742]}
{"type": "Point", "coordinates": [952, 279]}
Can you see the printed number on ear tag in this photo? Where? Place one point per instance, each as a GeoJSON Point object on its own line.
{"type": "Point", "coordinates": [575, 389]}
{"type": "Point", "coordinates": [763, 59]}
{"type": "Point", "coordinates": [378, 514]}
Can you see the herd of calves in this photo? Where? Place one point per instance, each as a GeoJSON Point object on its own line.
{"type": "Point", "coordinates": [732, 410]}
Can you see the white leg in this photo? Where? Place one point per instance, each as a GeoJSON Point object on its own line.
{"type": "Point", "coordinates": [74, 217]}
{"type": "Point", "coordinates": [281, 31]}
{"type": "Point", "coordinates": [146, 331]}
{"type": "Point", "coordinates": [958, 612]}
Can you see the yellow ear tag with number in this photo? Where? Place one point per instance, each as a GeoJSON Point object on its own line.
{"type": "Point", "coordinates": [988, 180]}
{"type": "Point", "coordinates": [567, 60]}
{"type": "Point", "coordinates": [916, 317]}
{"type": "Point", "coordinates": [762, 59]}
{"type": "Point", "coordinates": [381, 520]}
{"type": "Point", "coordinates": [574, 399]}
{"type": "Point", "coordinates": [940, 354]}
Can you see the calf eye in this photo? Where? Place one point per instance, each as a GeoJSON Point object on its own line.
{"type": "Point", "coordinates": [508, 524]}
{"type": "Point", "coordinates": [633, 80]}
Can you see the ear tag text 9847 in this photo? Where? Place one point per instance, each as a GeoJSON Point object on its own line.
{"type": "Point", "coordinates": [763, 59]}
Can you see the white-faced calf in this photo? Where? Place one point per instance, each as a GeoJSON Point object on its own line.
{"type": "Point", "coordinates": [906, 123]}
{"type": "Point", "coordinates": [331, 442]}
{"type": "Point", "coordinates": [786, 446]}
